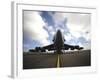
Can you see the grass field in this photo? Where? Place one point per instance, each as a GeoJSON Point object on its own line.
{"type": "Point", "coordinates": [46, 60]}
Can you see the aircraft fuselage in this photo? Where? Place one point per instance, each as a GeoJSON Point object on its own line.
{"type": "Point", "coordinates": [58, 41]}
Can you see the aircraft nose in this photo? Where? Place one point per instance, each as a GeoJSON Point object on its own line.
{"type": "Point", "coordinates": [59, 31]}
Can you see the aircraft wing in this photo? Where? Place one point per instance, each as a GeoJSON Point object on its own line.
{"type": "Point", "coordinates": [49, 47]}
{"type": "Point", "coordinates": [43, 49]}
{"type": "Point", "coordinates": [72, 47]}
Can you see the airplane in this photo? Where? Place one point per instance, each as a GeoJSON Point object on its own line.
{"type": "Point", "coordinates": [58, 45]}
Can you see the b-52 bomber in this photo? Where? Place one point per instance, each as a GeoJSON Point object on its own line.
{"type": "Point", "coordinates": [58, 45]}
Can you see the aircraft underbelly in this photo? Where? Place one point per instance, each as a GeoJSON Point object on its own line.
{"type": "Point", "coordinates": [58, 44]}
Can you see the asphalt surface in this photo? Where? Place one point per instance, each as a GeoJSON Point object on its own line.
{"type": "Point", "coordinates": [45, 60]}
{"type": "Point", "coordinates": [73, 59]}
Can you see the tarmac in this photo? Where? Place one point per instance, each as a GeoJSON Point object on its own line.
{"type": "Point", "coordinates": [34, 60]}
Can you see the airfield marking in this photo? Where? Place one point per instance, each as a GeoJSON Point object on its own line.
{"type": "Point", "coordinates": [58, 61]}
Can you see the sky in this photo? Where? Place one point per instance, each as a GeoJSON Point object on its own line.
{"type": "Point", "coordinates": [39, 28]}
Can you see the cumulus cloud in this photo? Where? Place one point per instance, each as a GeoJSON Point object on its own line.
{"type": "Point", "coordinates": [51, 30]}
{"type": "Point", "coordinates": [58, 17]}
{"type": "Point", "coordinates": [78, 25]}
{"type": "Point", "coordinates": [73, 25]}
{"type": "Point", "coordinates": [34, 27]}
{"type": "Point", "coordinates": [68, 37]}
{"type": "Point", "coordinates": [76, 22]}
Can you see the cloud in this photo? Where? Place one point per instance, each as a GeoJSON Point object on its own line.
{"type": "Point", "coordinates": [58, 17]}
{"type": "Point", "coordinates": [87, 46]}
{"type": "Point", "coordinates": [51, 30]}
{"type": "Point", "coordinates": [68, 37]}
{"type": "Point", "coordinates": [42, 29]}
{"type": "Point", "coordinates": [34, 27]}
{"type": "Point", "coordinates": [77, 25]}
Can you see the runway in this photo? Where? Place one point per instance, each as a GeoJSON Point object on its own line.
{"type": "Point", "coordinates": [45, 60]}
